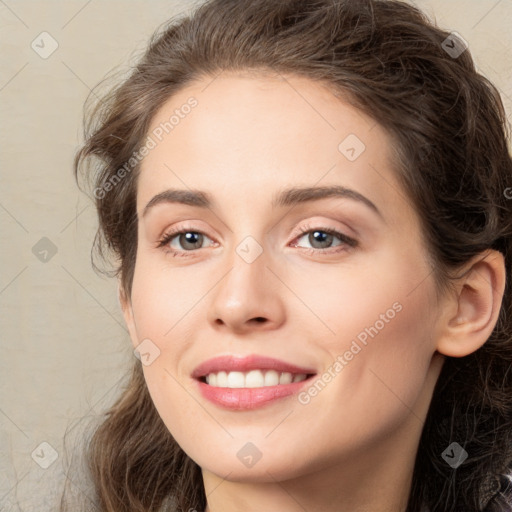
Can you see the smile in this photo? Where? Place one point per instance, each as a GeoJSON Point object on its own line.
{"type": "Point", "coordinates": [252, 379]}
{"type": "Point", "coordinates": [249, 382]}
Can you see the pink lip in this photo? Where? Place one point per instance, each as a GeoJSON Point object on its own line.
{"type": "Point", "coordinates": [245, 364]}
{"type": "Point", "coordinates": [247, 398]}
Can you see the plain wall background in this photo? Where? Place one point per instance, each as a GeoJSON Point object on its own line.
{"type": "Point", "coordinates": [64, 347]}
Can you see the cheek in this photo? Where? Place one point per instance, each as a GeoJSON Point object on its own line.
{"type": "Point", "coordinates": [368, 298]}
{"type": "Point", "coordinates": [162, 297]}
{"type": "Point", "coordinates": [385, 344]}
{"type": "Point", "coordinates": [377, 322]}
{"type": "Point", "coordinates": [166, 308]}
{"type": "Point", "coordinates": [178, 411]}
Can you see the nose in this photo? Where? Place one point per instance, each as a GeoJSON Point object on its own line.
{"type": "Point", "coordinates": [247, 297]}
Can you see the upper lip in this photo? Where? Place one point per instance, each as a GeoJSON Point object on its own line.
{"type": "Point", "coordinates": [243, 364]}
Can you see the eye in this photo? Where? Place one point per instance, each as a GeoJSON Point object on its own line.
{"type": "Point", "coordinates": [321, 238]}
{"type": "Point", "coordinates": [189, 239]}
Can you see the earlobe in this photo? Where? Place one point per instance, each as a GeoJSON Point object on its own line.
{"type": "Point", "coordinates": [474, 307]}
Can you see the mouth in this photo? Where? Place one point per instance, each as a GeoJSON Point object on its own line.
{"type": "Point", "coordinates": [239, 383]}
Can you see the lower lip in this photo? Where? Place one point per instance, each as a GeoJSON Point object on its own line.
{"type": "Point", "coordinates": [248, 398]}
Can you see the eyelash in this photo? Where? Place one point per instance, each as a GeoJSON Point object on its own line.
{"type": "Point", "coordinates": [170, 235]}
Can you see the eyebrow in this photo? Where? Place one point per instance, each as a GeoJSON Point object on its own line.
{"type": "Point", "coordinates": [283, 198]}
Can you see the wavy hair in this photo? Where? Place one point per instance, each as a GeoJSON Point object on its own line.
{"type": "Point", "coordinates": [449, 132]}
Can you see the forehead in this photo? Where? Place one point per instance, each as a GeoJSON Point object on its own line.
{"type": "Point", "coordinates": [247, 136]}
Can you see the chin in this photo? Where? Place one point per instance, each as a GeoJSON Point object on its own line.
{"type": "Point", "coordinates": [266, 470]}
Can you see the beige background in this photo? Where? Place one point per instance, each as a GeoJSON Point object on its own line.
{"type": "Point", "coordinates": [64, 347]}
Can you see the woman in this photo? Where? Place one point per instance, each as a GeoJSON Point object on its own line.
{"type": "Point", "coordinates": [368, 369]}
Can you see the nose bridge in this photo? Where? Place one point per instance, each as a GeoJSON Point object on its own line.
{"type": "Point", "coordinates": [247, 289]}
{"type": "Point", "coordinates": [247, 260]}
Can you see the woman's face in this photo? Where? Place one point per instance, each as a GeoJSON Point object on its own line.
{"type": "Point", "coordinates": [257, 273]}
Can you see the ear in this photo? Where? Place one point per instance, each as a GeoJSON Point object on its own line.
{"type": "Point", "coordinates": [472, 311]}
{"type": "Point", "coordinates": [126, 307]}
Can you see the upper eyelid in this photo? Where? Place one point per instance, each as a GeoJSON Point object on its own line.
{"type": "Point", "coordinates": [309, 224]}
{"type": "Point", "coordinates": [296, 232]}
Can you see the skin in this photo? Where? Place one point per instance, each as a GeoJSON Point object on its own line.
{"type": "Point", "coordinates": [353, 446]}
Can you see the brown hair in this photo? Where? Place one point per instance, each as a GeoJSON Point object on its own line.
{"type": "Point", "coordinates": [450, 139]}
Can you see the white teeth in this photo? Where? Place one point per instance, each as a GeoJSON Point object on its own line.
{"type": "Point", "coordinates": [222, 379]}
{"type": "Point", "coordinates": [236, 380]}
{"type": "Point", "coordinates": [285, 378]}
{"type": "Point", "coordinates": [271, 378]}
{"type": "Point", "coordinates": [252, 379]}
